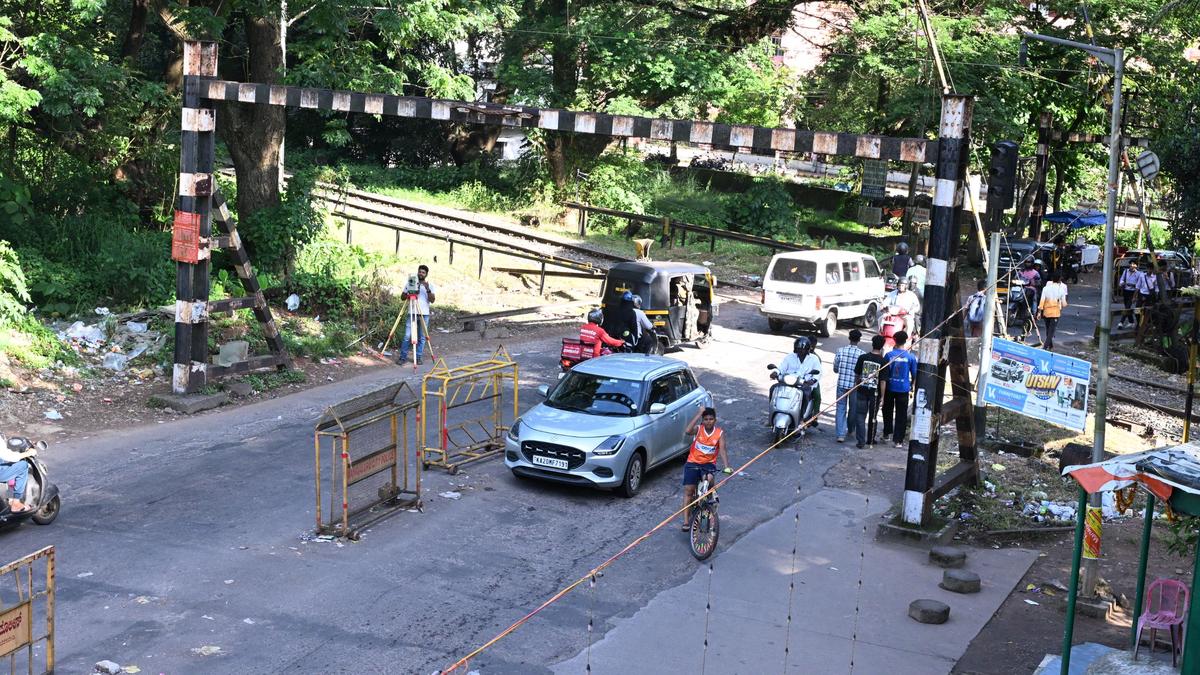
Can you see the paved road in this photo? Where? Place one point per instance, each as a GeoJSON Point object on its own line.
{"type": "Point", "coordinates": [189, 529]}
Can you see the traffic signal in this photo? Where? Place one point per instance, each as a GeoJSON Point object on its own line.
{"type": "Point", "coordinates": [1002, 175]}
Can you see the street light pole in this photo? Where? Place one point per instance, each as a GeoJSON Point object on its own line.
{"type": "Point", "coordinates": [1116, 59]}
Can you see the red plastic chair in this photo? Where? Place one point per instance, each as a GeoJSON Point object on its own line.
{"type": "Point", "coordinates": [1166, 608]}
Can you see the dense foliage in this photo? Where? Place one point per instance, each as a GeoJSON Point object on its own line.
{"type": "Point", "coordinates": [89, 100]}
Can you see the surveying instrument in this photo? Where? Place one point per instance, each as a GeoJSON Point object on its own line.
{"type": "Point", "coordinates": [412, 309]}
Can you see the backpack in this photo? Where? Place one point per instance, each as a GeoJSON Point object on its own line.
{"type": "Point", "coordinates": [975, 309]}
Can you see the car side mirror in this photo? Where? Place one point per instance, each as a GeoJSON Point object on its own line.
{"type": "Point", "coordinates": [657, 408]}
{"type": "Point", "coordinates": [544, 390]}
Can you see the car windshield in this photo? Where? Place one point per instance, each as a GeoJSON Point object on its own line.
{"type": "Point", "coordinates": [596, 395]}
{"type": "Point", "coordinates": [795, 271]}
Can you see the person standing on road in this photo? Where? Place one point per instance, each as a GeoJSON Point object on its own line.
{"type": "Point", "coordinates": [974, 309]}
{"type": "Point", "coordinates": [899, 372]}
{"type": "Point", "coordinates": [1129, 282]}
{"type": "Point", "coordinates": [844, 362]}
{"type": "Point", "coordinates": [866, 377]}
{"type": "Point", "coordinates": [1054, 299]}
{"type": "Point", "coordinates": [708, 441]}
{"type": "Point", "coordinates": [424, 297]}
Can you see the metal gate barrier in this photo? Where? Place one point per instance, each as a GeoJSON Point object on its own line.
{"type": "Point", "coordinates": [450, 396]}
{"type": "Point", "coordinates": [371, 460]}
{"type": "Point", "coordinates": [26, 600]}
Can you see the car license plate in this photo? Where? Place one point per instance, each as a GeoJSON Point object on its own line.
{"type": "Point", "coordinates": [789, 297]}
{"type": "Point", "coordinates": [552, 462]}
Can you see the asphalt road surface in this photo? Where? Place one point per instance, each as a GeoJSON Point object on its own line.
{"type": "Point", "coordinates": [190, 534]}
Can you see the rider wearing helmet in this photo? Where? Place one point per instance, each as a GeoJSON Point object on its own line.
{"type": "Point", "coordinates": [593, 335]}
{"type": "Point", "coordinates": [916, 276]}
{"type": "Point", "coordinates": [901, 261]}
{"type": "Point", "coordinates": [905, 302]}
{"type": "Point", "coordinates": [802, 362]}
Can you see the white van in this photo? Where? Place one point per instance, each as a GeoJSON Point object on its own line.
{"type": "Point", "coordinates": [821, 288]}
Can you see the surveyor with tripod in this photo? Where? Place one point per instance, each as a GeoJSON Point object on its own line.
{"type": "Point", "coordinates": [419, 294]}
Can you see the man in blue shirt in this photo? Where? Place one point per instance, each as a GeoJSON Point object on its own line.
{"type": "Point", "coordinates": [898, 374]}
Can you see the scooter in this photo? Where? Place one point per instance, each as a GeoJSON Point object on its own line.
{"type": "Point", "coordinates": [893, 321]}
{"type": "Point", "coordinates": [791, 402]}
{"type": "Point", "coordinates": [1020, 306]}
{"type": "Point", "coordinates": [41, 496]}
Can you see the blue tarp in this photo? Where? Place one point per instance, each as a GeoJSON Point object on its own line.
{"type": "Point", "coordinates": [1077, 218]}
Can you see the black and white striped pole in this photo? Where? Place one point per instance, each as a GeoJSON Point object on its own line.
{"type": "Point", "coordinates": [192, 228]}
{"type": "Point", "coordinates": [950, 174]}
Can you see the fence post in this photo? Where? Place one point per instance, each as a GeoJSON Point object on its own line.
{"type": "Point", "coordinates": [667, 235]}
{"type": "Point", "coordinates": [480, 263]}
{"type": "Point", "coordinates": [950, 172]}
{"type": "Point", "coordinates": [451, 251]}
{"type": "Point", "coordinates": [193, 218]}
{"type": "Point", "coordinates": [583, 222]}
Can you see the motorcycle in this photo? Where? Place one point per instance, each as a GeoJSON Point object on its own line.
{"type": "Point", "coordinates": [1021, 307]}
{"type": "Point", "coordinates": [791, 402]}
{"type": "Point", "coordinates": [41, 496]}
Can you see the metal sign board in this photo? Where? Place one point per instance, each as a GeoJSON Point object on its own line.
{"type": "Point", "coordinates": [1038, 384]}
{"type": "Point", "coordinates": [920, 215]}
{"type": "Point", "coordinates": [874, 178]}
{"type": "Point", "coordinates": [871, 216]}
{"type": "Point", "coordinates": [14, 629]}
{"type": "Point", "coordinates": [1147, 164]}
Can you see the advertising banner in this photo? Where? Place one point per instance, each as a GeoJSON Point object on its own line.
{"type": "Point", "coordinates": [1038, 384]}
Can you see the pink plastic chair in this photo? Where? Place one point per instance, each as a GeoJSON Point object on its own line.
{"type": "Point", "coordinates": [1166, 607]}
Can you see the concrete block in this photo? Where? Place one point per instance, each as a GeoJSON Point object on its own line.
{"type": "Point", "coordinates": [929, 611]}
{"type": "Point", "coordinates": [940, 531]}
{"type": "Point", "coordinates": [947, 556]}
{"type": "Point", "coordinates": [495, 333]}
{"type": "Point", "coordinates": [107, 668]}
{"type": "Point", "coordinates": [189, 404]}
{"type": "Point", "coordinates": [960, 581]}
{"type": "Point", "coordinates": [240, 389]}
{"type": "Point", "coordinates": [233, 352]}
{"type": "Point", "coordinates": [1097, 608]}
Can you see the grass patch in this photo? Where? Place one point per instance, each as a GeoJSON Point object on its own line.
{"type": "Point", "coordinates": [268, 381]}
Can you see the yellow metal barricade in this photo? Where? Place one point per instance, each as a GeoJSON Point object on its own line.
{"type": "Point", "coordinates": [27, 613]}
{"type": "Point", "coordinates": [453, 398]}
{"type": "Point", "coordinates": [371, 461]}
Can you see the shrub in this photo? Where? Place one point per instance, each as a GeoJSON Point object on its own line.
{"type": "Point", "coordinates": [14, 294]}
{"type": "Point", "coordinates": [55, 288]}
{"type": "Point", "coordinates": [135, 268]}
{"type": "Point", "coordinates": [765, 210]}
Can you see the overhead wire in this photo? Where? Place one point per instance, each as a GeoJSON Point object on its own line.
{"type": "Point", "coordinates": [463, 661]}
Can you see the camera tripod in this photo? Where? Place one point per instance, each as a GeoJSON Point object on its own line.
{"type": "Point", "coordinates": [416, 321]}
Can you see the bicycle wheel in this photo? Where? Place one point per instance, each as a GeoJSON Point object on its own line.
{"type": "Point", "coordinates": [703, 532]}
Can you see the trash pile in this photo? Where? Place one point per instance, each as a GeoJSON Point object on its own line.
{"type": "Point", "coordinates": [112, 343]}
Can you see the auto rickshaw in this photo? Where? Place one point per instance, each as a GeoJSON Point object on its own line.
{"type": "Point", "coordinates": [679, 299]}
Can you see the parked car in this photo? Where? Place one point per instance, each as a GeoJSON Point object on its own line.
{"type": "Point", "coordinates": [1177, 265]}
{"type": "Point", "coordinates": [821, 288]}
{"type": "Point", "coordinates": [1007, 370]}
{"type": "Point", "coordinates": [606, 422]}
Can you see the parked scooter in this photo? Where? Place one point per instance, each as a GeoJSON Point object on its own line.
{"type": "Point", "coordinates": [791, 402]}
{"type": "Point", "coordinates": [41, 496]}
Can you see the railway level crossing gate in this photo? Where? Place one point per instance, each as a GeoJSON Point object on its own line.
{"type": "Point", "coordinates": [193, 238]}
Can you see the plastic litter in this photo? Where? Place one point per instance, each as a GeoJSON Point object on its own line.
{"type": "Point", "coordinates": [206, 650]}
{"type": "Point", "coordinates": [102, 311]}
{"type": "Point", "coordinates": [293, 302]}
{"type": "Point", "coordinates": [115, 362]}
{"type": "Point", "coordinates": [81, 331]}
{"type": "Point", "coordinates": [53, 414]}
{"type": "Point", "coordinates": [137, 326]}
{"type": "Point", "coordinates": [450, 495]}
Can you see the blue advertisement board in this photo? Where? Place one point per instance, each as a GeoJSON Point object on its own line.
{"type": "Point", "coordinates": [1038, 383]}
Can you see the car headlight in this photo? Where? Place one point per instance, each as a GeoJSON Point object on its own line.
{"type": "Point", "coordinates": [610, 445]}
{"type": "Point", "coordinates": [514, 432]}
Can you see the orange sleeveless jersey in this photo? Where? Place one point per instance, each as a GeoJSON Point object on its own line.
{"type": "Point", "coordinates": [704, 448]}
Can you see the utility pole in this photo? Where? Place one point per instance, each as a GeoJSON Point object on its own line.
{"type": "Point", "coordinates": [1115, 58]}
{"type": "Point", "coordinates": [989, 329]}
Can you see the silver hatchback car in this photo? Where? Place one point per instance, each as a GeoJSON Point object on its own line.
{"type": "Point", "coordinates": [607, 422]}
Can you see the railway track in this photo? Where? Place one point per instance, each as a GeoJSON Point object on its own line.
{"type": "Point", "coordinates": [344, 201]}
{"type": "Point", "coordinates": [1155, 408]}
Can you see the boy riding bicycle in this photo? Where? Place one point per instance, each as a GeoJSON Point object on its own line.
{"type": "Point", "coordinates": [708, 442]}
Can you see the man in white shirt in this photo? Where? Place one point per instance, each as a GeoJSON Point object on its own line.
{"type": "Point", "coordinates": [904, 300]}
{"type": "Point", "coordinates": [916, 277]}
{"type": "Point", "coordinates": [1128, 283]}
{"type": "Point", "coordinates": [801, 362]}
{"type": "Point", "coordinates": [425, 296]}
